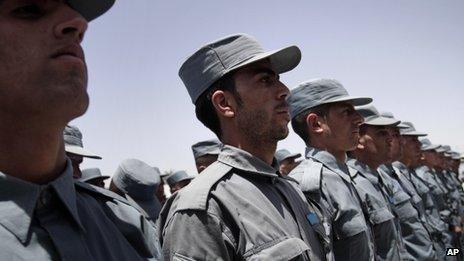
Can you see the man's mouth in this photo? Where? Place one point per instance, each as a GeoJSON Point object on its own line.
{"type": "Point", "coordinates": [73, 51]}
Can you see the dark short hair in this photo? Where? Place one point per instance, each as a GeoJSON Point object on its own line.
{"type": "Point", "coordinates": [299, 122]}
{"type": "Point", "coordinates": [204, 108]}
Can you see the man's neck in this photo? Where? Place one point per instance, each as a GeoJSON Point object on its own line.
{"type": "Point", "coordinates": [33, 154]}
{"type": "Point", "coordinates": [262, 150]}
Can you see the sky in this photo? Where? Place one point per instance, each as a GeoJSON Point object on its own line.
{"type": "Point", "coordinates": [407, 55]}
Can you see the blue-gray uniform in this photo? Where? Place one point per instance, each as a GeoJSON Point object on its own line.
{"type": "Point", "coordinates": [415, 231]}
{"type": "Point", "coordinates": [69, 220]}
{"type": "Point", "coordinates": [435, 225]}
{"type": "Point", "coordinates": [328, 183]}
{"type": "Point", "coordinates": [240, 208]}
{"type": "Point", "coordinates": [376, 207]}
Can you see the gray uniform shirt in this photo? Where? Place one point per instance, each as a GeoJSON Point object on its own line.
{"type": "Point", "coordinates": [240, 209]}
{"type": "Point", "coordinates": [376, 207]}
{"type": "Point", "coordinates": [416, 235]}
{"type": "Point", "coordinates": [68, 220]}
{"type": "Point", "coordinates": [327, 182]}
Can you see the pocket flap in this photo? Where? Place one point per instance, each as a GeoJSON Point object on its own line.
{"type": "Point", "coordinates": [284, 250]}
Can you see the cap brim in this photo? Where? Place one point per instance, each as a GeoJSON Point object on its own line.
{"type": "Point", "coordinates": [353, 100]}
{"type": "Point", "coordinates": [80, 151]}
{"type": "Point", "coordinates": [91, 9]}
{"type": "Point", "coordinates": [402, 126]}
{"type": "Point", "coordinates": [282, 60]}
{"type": "Point", "coordinates": [430, 147]}
{"type": "Point", "coordinates": [414, 133]}
{"type": "Point", "coordinates": [381, 121]}
{"type": "Point", "coordinates": [92, 178]}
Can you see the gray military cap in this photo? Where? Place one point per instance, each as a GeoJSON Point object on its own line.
{"type": "Point", "coordinates": [283, 154]}
{"type": "Point", "coordinates": [316, 92]}
{"type": "Point", "coordinates": [73, 143]}
{"type": "Point", "coordinates": [139, 181]}
{"type": "Point", "coordinates": [207, 147]}
{"type": "Point", "coordinates": [427, 145]}
{"type": "Point", "coordinates": [90, 9]}
{"type": "Point", "coordinates": [388, 114]}
{"type": "Point", "coordinates": [410, 130]}
{"type": "Point", "coordinates": [456, 155]}
{"type": "Point", "coordinates": [442, 148]}
{"type": "Point", "coordinates": [214, 60]}
{"type": "Point", "coordinates": [372, 116]}
{"type": "Point", "coordinates": [90, 174]}
{"type": "Point", "coordinates": [177, 177]}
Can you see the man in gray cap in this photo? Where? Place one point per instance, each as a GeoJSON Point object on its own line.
{"type": "Point", "coordinates": [373, 149]}
{"type": "Point", "coordinates": [415, 229]}
{"type": "Point", "coordinates": [240, 208]}
{"type": "Point", "coordinates": [324, 117]}
{"type": "Point", "coordinates": [44, 213]}
{"type": "Point", "coordinates": [93, 176]}
{"type": "Point", "coordinates": [75, 149]}
{"type": "Point", "coordinates": [287, 161]}
{"type": "Point", "coordinates": [137, 182]}
{"type": "Point", "coordinates": [205, 153]}
{"type": "Point", "coordinates": [178, 180]}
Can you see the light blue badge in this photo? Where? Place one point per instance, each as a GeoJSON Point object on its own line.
{"type": "Point", "coordinates": [312, 218]}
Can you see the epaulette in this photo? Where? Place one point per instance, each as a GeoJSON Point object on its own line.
{"type": "Point", "coordinates": [308, 175]}
{"type": "Point", "coordinates": [195, 195]}
{"type": "Point", "coordinates": [99, 191]}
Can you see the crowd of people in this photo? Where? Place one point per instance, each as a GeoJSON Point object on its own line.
{"type": "Point", "coordinates": [368, 187]}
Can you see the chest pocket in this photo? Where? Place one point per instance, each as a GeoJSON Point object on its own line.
{"type": "Point", "coordinates": [286, 249]}
{"type": "Point", "coordinates": [403, 207]}
{"type": "Point", "coordinates": [377, 212]}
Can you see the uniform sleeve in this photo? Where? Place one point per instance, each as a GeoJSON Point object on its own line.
{"type": "Point", "coordinates": [197, 235]}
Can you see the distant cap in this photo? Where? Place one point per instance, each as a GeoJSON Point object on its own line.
{"type": "Point", "coordinates": [316, 92]}
{"type": "Point", "coordinates": [139, 181]}
{"type": "Point", "coordinates": [427, 145]}
{"type": "Point", "coordinates": [91, 174]}
{"type": "Point", "coordinates": [91, 9]}
{"type": "Point", "coordinates": [73, 143]}
{"type": "Point", "coordinates": [410, 130]}
{"type": "Point", "coordinates": [214, 60]}
{"type": "Point", "coordinates": [390, 115]}
{"type": "Point", "coordinates": [283, 154]}
{"type": "Point", "coordinates": [177, 177]}
{"type": "Point", "coordinates": [207, 147]}
{"type": "Point", "coordinates": [372, 116]}
{"type": "Point", "coordinates": [456, 155]}
{"type": "Point", "coordinates": [442, 148]}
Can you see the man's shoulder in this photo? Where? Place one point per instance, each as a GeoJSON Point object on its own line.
{"type": "Point", "coordinates": [308, 175]}
{"type": "Point", "coordinates": [195, 195]}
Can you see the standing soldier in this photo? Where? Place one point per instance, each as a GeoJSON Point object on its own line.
{"type": "Point", "coordinates": [324, 117]}
{"type": "Point", "coordinates": [44, 213]}
{"type": "Point", "coordinates": [240, 207]}
{"type": "Point", "coordinates": [372, 151]}
{"type": "Point", "coordinates": [414, 227]}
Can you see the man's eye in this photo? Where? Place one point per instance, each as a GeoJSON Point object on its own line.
{"type": "Point", "coordinates": [28, 11]}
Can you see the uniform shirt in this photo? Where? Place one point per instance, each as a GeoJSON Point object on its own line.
{"type": "Point", "coordinates": [416, 235]}
{"type": "Point", "coordinates": [68, 220]}
{"type": "Point", "coordinates": [439, 197]}
{"type": "Point", "coordinates": [376, 207]}
{"type": "Point", "coordinates": [239, 208]}
{"type": "Point", "coordinates": [327, 182]}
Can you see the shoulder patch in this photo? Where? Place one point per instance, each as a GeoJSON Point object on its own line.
{"type": "Point", "coordinates": [195, 195]}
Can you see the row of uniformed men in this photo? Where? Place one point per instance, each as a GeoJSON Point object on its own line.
{"type": "Point", "coordinates": [241, 207]}
{"type": "Point", "coordinates": [381, 203]}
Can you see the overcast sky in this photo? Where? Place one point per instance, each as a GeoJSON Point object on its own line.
{"type": "Point", "coordinates": [407, 55]}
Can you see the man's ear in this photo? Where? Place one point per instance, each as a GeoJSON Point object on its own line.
{"type": "Point", "coordinates": [360, 145]}
{"type": "Point", "coordinates": [224, 103]}
{"type": "Point", "coordinates": [313, 123]}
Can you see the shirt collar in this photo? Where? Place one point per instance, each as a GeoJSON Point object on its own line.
{"type": "Point", "coordinates": [243, 160]}
{"type": "Point", "coordinates": [18, 199]}
{"type": "Point", "coordinates": [329, 161]}
{"type": "Point", "coordinates": [364, 170]}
